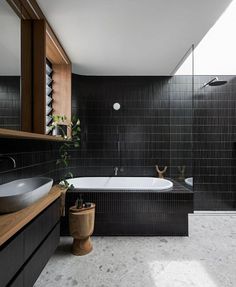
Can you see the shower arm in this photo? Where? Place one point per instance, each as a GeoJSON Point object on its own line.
{"type": "Point", "coordinates": [211, 81]}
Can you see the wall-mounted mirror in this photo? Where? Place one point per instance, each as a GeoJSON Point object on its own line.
{"type": "Point", "coordinates": [10, 68]}
{"type": "Point", "coordinates": [28, 46]}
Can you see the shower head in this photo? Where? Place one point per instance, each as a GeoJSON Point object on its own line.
{"type": "Point", "coordinates": [218, 83]}
{"type": "Point", "coordinates": [214, 82]}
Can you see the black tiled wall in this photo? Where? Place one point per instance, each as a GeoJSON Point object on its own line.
{"type": "Point", "coordinates": [181, 115]}
{"type": "Point", "coordinates": [33, 158]}
{"type": "Point", "coordinates": [160, 123]}
{"type": "Point", "coordinates": [214, 144]}
{"type": "Point", "coordinates": [152, 127]}
{"type": "Point", "coordinates": [10, 102]}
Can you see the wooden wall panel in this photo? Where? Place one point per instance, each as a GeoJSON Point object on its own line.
{"type": "Point", "coordinates": [26, 76]}
{"type": "Point", "coordinates": [52, 53]}
{"type": "Point", "coordinates": [39, 76]}
{"type": "Point", "coordinates": [57, 48]}
{"type": "Point", "coordinates": [62, 90]}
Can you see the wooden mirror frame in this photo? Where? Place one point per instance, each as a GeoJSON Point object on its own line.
{"type": "Point", "coordinates": [38, 42]}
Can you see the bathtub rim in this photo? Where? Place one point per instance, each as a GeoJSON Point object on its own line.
{"type": "Point", "coordinates": [181, 188]}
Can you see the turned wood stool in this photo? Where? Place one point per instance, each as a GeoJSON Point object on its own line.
{"type": "Point", "coordinates": [81, 222]}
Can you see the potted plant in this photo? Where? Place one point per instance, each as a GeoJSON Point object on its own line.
{"type": "Point", "coordinates": [71, 141]}
{"type": "Point", "coordinates": [59, 126]}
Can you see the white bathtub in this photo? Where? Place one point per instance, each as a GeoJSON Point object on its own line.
{"type": "Point", "coordinates": [121, 183]}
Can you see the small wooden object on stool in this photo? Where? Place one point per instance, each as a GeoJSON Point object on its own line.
{"type": "Point", "coordinates": [81, 221]}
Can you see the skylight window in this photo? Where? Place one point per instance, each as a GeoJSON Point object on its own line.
{"type": "Point", "coordinates": [216, 53]}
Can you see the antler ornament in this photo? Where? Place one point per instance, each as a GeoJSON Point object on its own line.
{"type": "Point", "coordinates": [161, 172]}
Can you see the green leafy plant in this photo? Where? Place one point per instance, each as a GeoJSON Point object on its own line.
{"type": "Point", "coordinates": [57, 122]}
{"type": "Point", "coordinates": [70, 142]}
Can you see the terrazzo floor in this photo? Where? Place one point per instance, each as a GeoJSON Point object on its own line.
{"type": "Point", "coordinates": [207, 258]}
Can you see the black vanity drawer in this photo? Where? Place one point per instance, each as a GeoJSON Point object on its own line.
{"type": "Point", "coordinates": [23, 257]}
{"type": "Point", "coordinates": [18, 281]}
{"type": "Point", "coordinates": [38, 229]}
{"type": "Point", "coordinates": [11, 258]}
{"type": "Point", "coordinates": [36, 264]}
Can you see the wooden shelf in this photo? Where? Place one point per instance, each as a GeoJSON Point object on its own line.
{"type": "Point", "coordinates": [5, 133]}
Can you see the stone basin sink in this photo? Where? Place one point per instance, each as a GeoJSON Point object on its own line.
{"type": "Point", "coordinates": [21, 193]}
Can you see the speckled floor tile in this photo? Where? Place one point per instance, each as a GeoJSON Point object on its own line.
{"type": "Point", "coordinates": [207, 258]}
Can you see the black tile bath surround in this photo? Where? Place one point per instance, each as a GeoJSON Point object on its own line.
{"type": "Point", "coordinates": [137, 212]}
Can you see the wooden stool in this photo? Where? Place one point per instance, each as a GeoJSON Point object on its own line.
{"type": "Point", "coordinates": [81, 222]}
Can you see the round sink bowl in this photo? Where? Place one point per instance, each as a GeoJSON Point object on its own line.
{"type": "Point", "coordinates": [21, 193]}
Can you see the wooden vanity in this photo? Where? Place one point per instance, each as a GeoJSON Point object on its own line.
{"type": "Point", "coordinates": [28, 238]}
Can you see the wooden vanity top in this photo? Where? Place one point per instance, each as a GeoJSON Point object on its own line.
{"type": "Point", "coordinates": [12, 222]}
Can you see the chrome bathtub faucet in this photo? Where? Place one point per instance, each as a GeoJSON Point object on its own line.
{"type": "Point", "coordinates": [10, 158]}
{"type": "Point", "coordinates": [116, 169]}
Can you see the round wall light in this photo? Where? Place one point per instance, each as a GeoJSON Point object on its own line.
{"type": "Point", "coordinates": [116, 106]}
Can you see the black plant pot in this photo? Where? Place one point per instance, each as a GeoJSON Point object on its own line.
{"type": "Point", "coordinates": [60, 130]}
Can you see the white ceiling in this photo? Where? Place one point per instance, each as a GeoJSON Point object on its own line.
{"type": "Point", "coordinates": [9, 40]}
{"type": "Point", "coordinates": [130, 37]}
